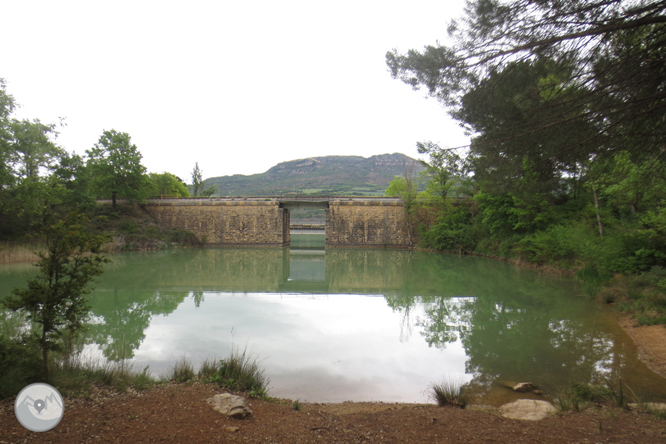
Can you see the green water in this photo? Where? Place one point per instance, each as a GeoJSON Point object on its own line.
{"type": "Point", "coordinates": [356, 324]}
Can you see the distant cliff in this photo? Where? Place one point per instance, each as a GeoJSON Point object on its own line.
{"type": "Point", "coordinates": [327, 176]}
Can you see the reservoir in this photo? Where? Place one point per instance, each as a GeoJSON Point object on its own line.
{"type": "Point", "coordinates": [331, 325]}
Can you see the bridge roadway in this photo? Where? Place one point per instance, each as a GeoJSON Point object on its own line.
{"type": "Point", "coordinates": [265, 221]}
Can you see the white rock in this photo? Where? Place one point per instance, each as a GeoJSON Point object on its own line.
{"type": "Point", "coordinates": [524, 387]}
{"type": "Point", "coordinates": [654, 406]}
{"type": "Point", "coordinates": [529, 409]}
{"type": "Point", "coordinates": [230, 405]}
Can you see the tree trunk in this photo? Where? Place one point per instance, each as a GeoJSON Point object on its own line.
{"type": "Point", "coordinates": [596, 205]}
{"type": "Point", "coordinates": [113, 199]}
{"type": "Point", "coordinates": [45, 354]}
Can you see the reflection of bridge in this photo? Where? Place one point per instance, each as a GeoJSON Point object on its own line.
{"type": "Point", "coordinates": [254, 221]}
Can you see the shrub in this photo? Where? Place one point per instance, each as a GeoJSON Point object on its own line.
{"type": "Point", "coordinates": [20, 365]}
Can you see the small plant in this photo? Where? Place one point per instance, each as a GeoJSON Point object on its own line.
{"type": "Point", "coordinates": [297, 405]}
{"type": "Point", "coordinates": [75, 376]}
{"type": "Point", "coordinates": [208, 369]}
{"type": "Point", "coordinates": [617, 393]}
{"type": "Point", "coordinates": [242, 372]}
{"type": "Point", "coordinates": [182, 370]}
{"type": "Point", "coordinates": [450, 393]}
{"type": "Point", "coordinates": [658, 412]}
{"type": "Point", "coordinates": [569, 399]}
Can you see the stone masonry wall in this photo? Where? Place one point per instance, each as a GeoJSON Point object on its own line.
{"type": "Point", "coordinates": [226, 222]}
{"type": "Point", "coordinates": [366, 223]}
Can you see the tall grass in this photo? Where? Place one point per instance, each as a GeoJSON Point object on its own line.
{"type": "Point", "coordinates": [14, 252]}
{"type": "Point", "coordinates": [239, 371]}
{"type": "Point", "coordinates": [76, 376]}
{"type": "Point", "coordinates": [450, 393]}
{"type": "Point", "coordinates": [182, 370]}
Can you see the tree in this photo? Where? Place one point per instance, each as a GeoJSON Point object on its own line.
{"type": "Point", "coordinates": [55, 298]}
{"type": "Point", "coordinates": [406, 189]}
{"type": "Point", "coordinates": [197, 179]}
{"type": "Point", "coordinates": [444, 168]}
{"type": "Point", "coordinates": [116, 167]}
{"type": "Point", "coordinates": [31, 147]}
{"type": "Point", "coordinates": [7, 106]}
{"type": "Point", "coordinates": [198, 186]}
{"type": "Point", "coordinates": [166, 184]}
{"type": "Point", "coordinates": [613, 50]}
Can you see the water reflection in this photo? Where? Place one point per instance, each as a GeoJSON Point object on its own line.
{"type": "Point", "coordinates": [315, 317]}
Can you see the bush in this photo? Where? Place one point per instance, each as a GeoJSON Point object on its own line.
{"type": "Point", "coordinates": [453, 231]}
{"type": "Point", "coordinates": [20, 365]}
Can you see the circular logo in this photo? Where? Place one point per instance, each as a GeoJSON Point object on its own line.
{"type": "Point", "coordinates": [39, 407]}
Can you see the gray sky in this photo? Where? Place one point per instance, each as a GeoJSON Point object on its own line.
{"type": "Point", "coordinates": [236, 86]}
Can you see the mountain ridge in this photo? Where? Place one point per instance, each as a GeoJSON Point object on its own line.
{"type": "Point", "coordinates": [322, 175]}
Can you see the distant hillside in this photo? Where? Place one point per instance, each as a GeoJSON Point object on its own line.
{"type": "Point", "coordinates": [326, 176]}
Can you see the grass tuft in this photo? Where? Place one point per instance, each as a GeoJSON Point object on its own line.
{"type": "Point", "coordinates": [241, 371]}
{"type": "Point", "coordinates": [182, 370]}
{"type": "Point", "coordinates": [450, 393]}
{"type": "Point", "coordinates": [208, 368]}
{"type": "Point", "coordinates": [77, 376]}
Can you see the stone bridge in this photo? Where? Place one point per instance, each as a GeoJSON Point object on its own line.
{"type": "Point", "coordinates": [362, 221]}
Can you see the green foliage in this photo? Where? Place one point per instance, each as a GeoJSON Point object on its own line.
{"type": "Point", "coordinates": [55, 298]}
{"type": "Point", "coordinates": [443, 170]}
{"type": "Point", "coordinates": [166, 185]}
{"type": "Point", "coordinates": [197, 179]}
{"type": "Point", "coordinates": [210, 190]}
{"type": "Point", "coordinates": [399, 187]}
{"type": "Point", "coordinates": [116, 168]}
{"type": "Point", "coordinates": [453, 231]}
{"type": "Point", "coordinates": [20, 365]}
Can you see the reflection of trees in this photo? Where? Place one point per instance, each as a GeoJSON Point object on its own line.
{"type": "Point", "coordinates": [198, 297]}
{"type": "Point", "coordinates": [513, 323]}
{"type": "Point", "coordinates": [442, 323]}
{"type": "Point", "coordinates": [120, 319]}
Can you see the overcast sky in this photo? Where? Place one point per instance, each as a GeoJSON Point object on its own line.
{"type": "Point", "coordinates": [236, 86]}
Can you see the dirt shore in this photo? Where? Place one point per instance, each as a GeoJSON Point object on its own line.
{"type": "Point", "coordinates": [179, 413]}
{"type": "Point", "coordinates": [650, 342]}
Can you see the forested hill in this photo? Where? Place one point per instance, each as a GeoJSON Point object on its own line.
{"type": "Point", "coordinates": [328, 175]}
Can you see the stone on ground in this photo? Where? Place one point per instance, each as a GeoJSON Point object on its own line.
{"type": "Point", "coordinates": [524, 387]}
{"type": "Point", "coordinates": [655, 406]}
{"type": "Point", "coordinates": [230, 405]}
{"type": "Point", "coordinates": [529, 409]}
